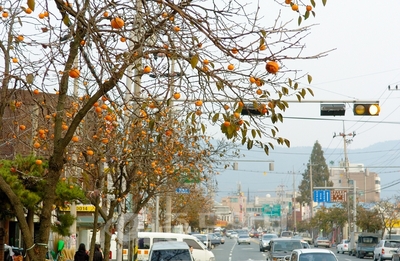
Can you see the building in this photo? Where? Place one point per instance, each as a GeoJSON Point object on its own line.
{"type": "Point", "coordinates": [367, 182]}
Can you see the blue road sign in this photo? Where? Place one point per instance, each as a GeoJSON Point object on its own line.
{"type": "Point", "coordinates": [182, 190]}
{"type": "Point", "coordinates": [322, 196]}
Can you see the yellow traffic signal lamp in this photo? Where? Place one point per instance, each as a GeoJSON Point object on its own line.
{"type": "Point", "coordinates": [366, 109]}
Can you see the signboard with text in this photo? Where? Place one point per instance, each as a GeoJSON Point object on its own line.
{"type": "Point", "coordinates": [322, 195]}
{"type": "Point", "coordinates": [338, 196]}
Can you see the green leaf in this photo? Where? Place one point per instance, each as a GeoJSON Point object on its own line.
{"type": "Point", "coordinates": [249, 144]}
{"type": "Point", "coordinates": [287, 142]}
{"type": "Point", "coordinates": [310, 91]}
{"type": "Point", "coordinates": [266, 149]}
{"type": "Point", "coordinates": [285, 90]}
{"type": "Point", "coordinates": [244, 133]}
{"type": "Point", "coordinates": [303, 93]}
{"type": "Point", "coordinates": [309, 78]}
{"type": "Point", "coordinates": [298, 97]}
{"type": "Point", "coordinates": [271, 145]}
{"type": "Point", "coordinates": [296, 85]}
{"type": "Point", "coordinates": [280, 117]}
{"type": "Point", "coordinates": [264, 33]}
{"type": "Point", "coordinates": [253, 133]}
{"type": "Point", "coordinates": [31, 4]}
{"type": "Point", "coordinates": [215, 117]}
{"type": "Point", "coordinates": [306, 15]}
{"type": "Point", "coordinates": [30, 78]}
{"type": "Point", "coordinates": [274, 118]}
{"type": "Point", "coordinates": [220, 85]}
{"type": "Point", "coordinates": [66, 20]}
{"type": "Point", "coordinates": [299, 20]}
{"type": "Point", "coordinates": [324, 2]}
{"type": "Point", "coordinates": [312, 3]}
{"type": "Point", "coordinates": [194, 61]}
{"type": "Point", "coordinates": [290, 82]}
{"type": "Point", "coordinates": [313, 13]}
{"type": "Point", "coordinates": [273, 132]}
{"type": "Point", "coordinates": [151, 125]}
{"type": "Point", "coordinates": [203, 128]}
{"type": "Point", "coordinates": [262, 41]}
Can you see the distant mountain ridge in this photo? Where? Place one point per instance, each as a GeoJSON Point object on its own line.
{"type": "Point", "coordinates": [256, 180]}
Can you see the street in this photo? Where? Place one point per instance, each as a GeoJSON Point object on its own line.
{"type": "Point", "coordinates": [230, 251]}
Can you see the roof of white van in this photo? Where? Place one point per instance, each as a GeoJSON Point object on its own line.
{"type": "Point", "coordinates": [170, 245]}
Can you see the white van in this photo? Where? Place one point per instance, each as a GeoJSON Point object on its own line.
{"type": "Point", "coordinates": [146, 239]}
{"type": "Point", "coordinates": [170, 251]}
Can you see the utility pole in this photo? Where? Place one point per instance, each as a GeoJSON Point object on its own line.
{"type": "Point", "coordinates": [294, 202]}
{"type": "Point", "coordinates": [346, 165]}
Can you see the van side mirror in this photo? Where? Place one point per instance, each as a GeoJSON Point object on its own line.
{"type": "Point", "coordinates": [268, 248]}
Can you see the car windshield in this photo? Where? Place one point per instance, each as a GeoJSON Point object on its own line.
{"type": "Point", "coordinates": [171, 255]}
{"type": "Point", "coordinates": [268, 237]}
{"type": "Point", "coordinates": [317, 257]}
{"type": "Point", "coordinates": [286, 245]}
{"type": "Point", "coordinates": [243, 236]}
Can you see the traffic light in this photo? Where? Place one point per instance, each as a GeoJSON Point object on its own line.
{"type": "Point", "coordinates": [371, 109]}
{"type": "Point", "coordinates": [333, 109]}
{"type": "Point", "coordinates": [249, 109]}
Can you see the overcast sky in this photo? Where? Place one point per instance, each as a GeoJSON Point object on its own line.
{"type": "Point", "coordinates": [364, 64]}
{"type": "Point", "coordinates": [366, 61]}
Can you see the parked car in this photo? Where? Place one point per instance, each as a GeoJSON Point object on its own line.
{"type": "Point", "coordinates": [312, 254]}
{"type": "Point", "coordinates": [385, 249]}
{"type": "Point", "coordinates": [306, 237]}
{"type": "Point", "coordinates": [322, 241]}
{"type": "Point", "coordinates": [214, 240]}
{"type": "Point", "coordinates": [228, 233]}
{"type": "Point", "coordinates": [396, 255]}
{"type": "Point", "coordinates": [203, 238]}
{"type": "Point", "coordinates": [222, 239]}
{"type": "Point", "coordinates": [264, 241]}
{"type": "Point", "coordinates": [343, 246]}
{"type": "Point", "coordinates": [243, 239]}
{"type": "Point", "coordinates": [279, 248]}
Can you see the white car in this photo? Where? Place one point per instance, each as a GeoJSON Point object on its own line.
{"type": "Point", "coordinates": [343, 246]}
{"type": "Point", "coordinates": [310, 254]}
{"type": "Point", "coordinates": [385, 249]}
{"type": "Point", "coordinates": [243, 239]}
{"type": "Point", "coordinates": [234, 234]}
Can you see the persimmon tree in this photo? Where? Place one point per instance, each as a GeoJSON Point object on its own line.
{"type": "Point", "coordinates": [194, 59]}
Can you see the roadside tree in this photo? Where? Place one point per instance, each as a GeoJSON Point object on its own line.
{"type": "Point", "coordinates": [54, 52]}
{"type": "Point", "coordinates": [320, 174]}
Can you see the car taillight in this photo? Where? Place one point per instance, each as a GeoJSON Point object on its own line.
{"type": "Point", "coordinates": [383, 251]}
{"type": "Point", "coordinates": [345, 245]}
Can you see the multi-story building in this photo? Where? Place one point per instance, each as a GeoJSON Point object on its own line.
{"type": "Point", "coordinates": [367, 182]}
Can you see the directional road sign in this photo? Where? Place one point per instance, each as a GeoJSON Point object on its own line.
{"type": "Point", "coordinates": [182, 190]}
{"type": "Point", "coordinates": [322, 196]}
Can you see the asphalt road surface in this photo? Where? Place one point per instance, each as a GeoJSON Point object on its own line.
{"type": "Point", "coordinates": [231, 251]}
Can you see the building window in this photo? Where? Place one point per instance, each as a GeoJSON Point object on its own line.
{"type": "Point", "coordinates": [340, 181]}
{"type": "Point", "coordinates": [234, 200]}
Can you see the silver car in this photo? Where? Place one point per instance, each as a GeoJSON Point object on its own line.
{"type": "Point", "coordinates": [243, 239]}
{"type": "Point", "coordinates": [264, 241]}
